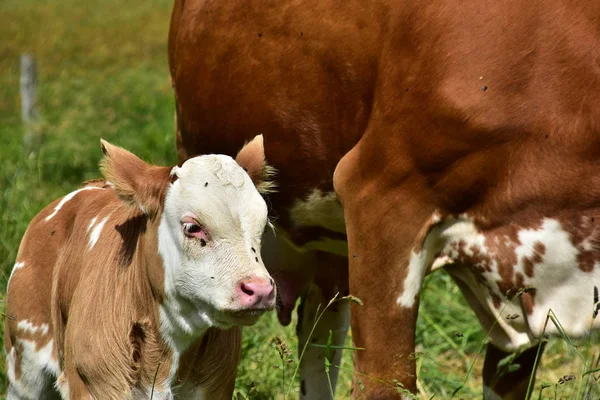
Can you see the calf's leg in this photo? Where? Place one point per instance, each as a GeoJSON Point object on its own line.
{"type": "Point", "coordinates": [29, 367]}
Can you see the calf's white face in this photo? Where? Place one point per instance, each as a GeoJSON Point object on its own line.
{"type": "Point", "coordinates": [211, 220]}
{"type": "Point", "coordinates": [210, 237]}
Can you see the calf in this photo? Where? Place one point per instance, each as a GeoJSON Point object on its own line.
{"type": "Point", "coordinates": [135, 286]}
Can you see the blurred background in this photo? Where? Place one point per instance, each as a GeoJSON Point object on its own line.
{"type": "Point", "coordinates": [102, 73]}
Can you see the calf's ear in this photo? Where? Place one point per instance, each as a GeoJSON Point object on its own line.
{"type": "Point", "coordinates": [136, 182]}
{"type": "Point", "coordinates": [252, 158]}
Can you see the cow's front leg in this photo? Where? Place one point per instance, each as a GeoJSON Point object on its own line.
{"type": "Point", "coordinates": [330, 279]}
{"type": "Point", "coordinates": [387, 224]}
{"type": "Point", "coordinates": [500, 383]}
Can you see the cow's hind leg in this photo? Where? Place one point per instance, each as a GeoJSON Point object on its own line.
{"type": "Point", "coordinates": [506, 383]}
{"type": "Point", "coordinates": [330, 278]}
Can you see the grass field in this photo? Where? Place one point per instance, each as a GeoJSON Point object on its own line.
{"type": "Point", "coordinates": [103, 73]}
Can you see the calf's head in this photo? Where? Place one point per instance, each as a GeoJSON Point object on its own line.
{"type": "Point", "coordinates": [211, 220]}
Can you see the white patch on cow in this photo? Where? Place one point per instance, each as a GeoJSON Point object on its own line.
{"type": "Point", "coordinates": [95, 234]}
{"type": "Point", "coordinates": [435, 218]}
{"type": "Point", "coordinates": [441, 262]}
{"type": "Point", "coordinates": [561, 285]}
{"type": "Point", "coordinates": [454, 231]}
{"type": "Point", "coordinates": [18, 265]}
{"type": "Point", "coordinates": [36, 367]}
{"type": "Point", "coordinates": [514, 333]}
{"type": "Point", "coordinates": [15, 388]}
{"type": "Point", "coordinates": [29, 327]}
{"type": "Point", "coordinates": [62, 385]}
{"type": "Point", "coordinates": [45, 357]}
{"type": "Point", "coordinates": [319, 209]}
{"type": "Point", "coordinates": [550, 233]}
{"type": "Point", "coordinates": [587, 245]}
{"type": "Point", "coordinates": [68, 197]}
{"type": "Point", "coordinates": [417, 267]}
{"type": "Point", "coordinates": [440, 240]}
{"type": "Point", "coordinates": [420, 262]}
{"type": "Point", "coordinates": [92, 223]}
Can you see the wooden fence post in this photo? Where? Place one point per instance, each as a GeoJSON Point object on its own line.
{"type": "Point", "coordinates": [29, 114]}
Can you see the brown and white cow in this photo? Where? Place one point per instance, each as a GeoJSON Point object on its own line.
{"type": "Point", "coordinates": [463, 134]}
{"type": "Point", "coordinates": [135, 286]}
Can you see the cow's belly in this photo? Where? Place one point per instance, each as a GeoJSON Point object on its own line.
{"type": "Point", "coordinates": [514, 276]}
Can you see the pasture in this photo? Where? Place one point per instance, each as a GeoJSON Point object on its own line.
{"type": "Point", "coordinates": [103, 74]}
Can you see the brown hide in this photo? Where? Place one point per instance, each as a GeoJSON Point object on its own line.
{"type": "Point", "coordinates": [485, 108]}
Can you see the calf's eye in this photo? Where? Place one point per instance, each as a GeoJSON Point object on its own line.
{"type": "Point", "coordinates": [193, 230]}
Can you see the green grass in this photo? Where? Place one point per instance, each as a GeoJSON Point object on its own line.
{"type": "Point", "coordinates": [103, 73]}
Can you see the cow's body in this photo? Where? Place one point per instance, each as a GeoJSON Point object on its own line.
{"type": "Point", "coordinates": [92, 309]}
{"type": "Point", "coordinates": [456, 135]}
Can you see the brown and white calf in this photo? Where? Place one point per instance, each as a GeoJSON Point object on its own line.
{"type": "Point", "coordinates": [135, 286]}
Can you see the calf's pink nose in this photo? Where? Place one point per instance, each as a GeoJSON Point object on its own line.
{"type": "Point", "coordinates": [256, 293]}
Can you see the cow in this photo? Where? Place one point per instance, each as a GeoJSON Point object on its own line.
{"type": "Point", "coordinates": [135, 286]}
{"type": "Point", "coordinates": [410, 137]}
